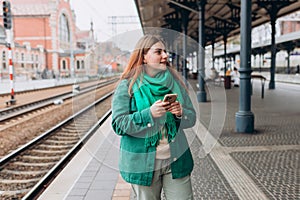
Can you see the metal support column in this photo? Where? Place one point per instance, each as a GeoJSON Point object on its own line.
{"type": "Point", "coordinates": [184, 56]}
{"type": "Point", "coordinates": [273, 52]}
{"type": "Point", "coordinates": [213, 54]}
{"type": "Point", "coordinates": [288, 70]}
{"type": "Point", "coordinates": [260, 61]}
{"type": "Point", "coordinates": [176, 56]}
{"type": "Point", "coordinates": [201, 94]}
{"type": "Point", "coordinates": [225, 53]}
{"type": "Point", "coordinates": [185, 21]}
{"type": "Point", "coordinates": [244, 118]}
{"type": "Point", "coordinates": [289, 48]}
{"type": "Point", "coordinates": [184, 53]}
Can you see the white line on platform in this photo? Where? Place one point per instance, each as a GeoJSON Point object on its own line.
{"type": "Point", "coordinates": [240, 182]}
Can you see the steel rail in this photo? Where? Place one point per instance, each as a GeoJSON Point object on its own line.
{"type": "Point", "coordinates": [14, 112]}
{"type": "Point", "coordinates": [59, 165]}
{"type": "Point", "coordinates": [40, 186]}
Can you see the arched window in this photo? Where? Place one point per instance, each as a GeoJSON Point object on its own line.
{"type": "Point", "coordinates": [82, 64]}
{"type": "Point", "coordinates": [64, 29]}
{"type": "Point", "coordinates": [3, 60]}
{"type": "Point", "coordinates": [22, 60]}
{"type": "Point", "coordinates": [78, 64]}
{"type": "Point", "coordinates": [36, 61]}
{"type": "Point", "coordinates": [32, 61]}
{"type": "Point", "coordinates": [64, 65]}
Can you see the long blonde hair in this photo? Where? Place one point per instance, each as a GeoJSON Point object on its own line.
{"type": "Point", "coordinates": [136, 61]}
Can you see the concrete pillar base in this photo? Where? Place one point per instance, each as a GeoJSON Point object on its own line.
{"type": "Point", "coordinates": [201, 96]}
{"type": "Point", "coordinates": [272, 85]}
{"type": "Point", "coordinates": [244, 122]}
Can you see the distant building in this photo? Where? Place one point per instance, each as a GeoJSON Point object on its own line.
{"type": "Point", "coordinates": [46, 41]}
{"type": "Point", "coordinates": [286, 27]}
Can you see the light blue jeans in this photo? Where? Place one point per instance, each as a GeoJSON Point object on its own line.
{"type": "Point", "coordinates": [174, 189]}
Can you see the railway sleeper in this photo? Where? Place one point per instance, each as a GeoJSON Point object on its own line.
{"type": "Point", "coordinates": [17, 175]}
{"type": "Point", "coordinates": [47, 152]}
{"type": "Point", "coordinates": [75, 132]}
{"type": "Point", "coordinates": [22, 181]}
{"type": "Point", "coordinates": [82, 128]}
{"type": "Point", "coordinates": [44, 158]}
{"type": "Point", "coordinates": [17, 191]}
{"type": "Point", "coordinates": [66, 134]}
{"type": "Point", "coordinates": [57, 142]}
{"type": "Point", "coordinates": [20, 165]}
{"type": "Point", "coordinates": [21, 173]}
{"type": "Point", "coordinates": [9, 195]}
{"type": "Point", "coordinates": [69, 130]}
{"type": "Point", "coordinates": [64, 138]}
{"type": "Point", "coordinates": [85, 123]}
{"type": "Point", "coordinates": [52, 147]}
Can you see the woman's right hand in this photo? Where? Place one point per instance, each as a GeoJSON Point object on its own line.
{"type": "Point", "coordinates": [159, 108]}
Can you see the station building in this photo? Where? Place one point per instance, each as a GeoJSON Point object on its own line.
{"type": "Point", "coordinates": [288, 51]}
{"type": "Point", "coordinates": [46, 42]}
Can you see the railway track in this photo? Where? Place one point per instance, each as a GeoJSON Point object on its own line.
{"type": "Point", "coordinates": [25, 172]}
{"type": "Point", "coordinates": [17, 111]}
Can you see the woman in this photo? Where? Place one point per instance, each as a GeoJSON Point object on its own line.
{"type": "Point", "coordinates": [154, 152]}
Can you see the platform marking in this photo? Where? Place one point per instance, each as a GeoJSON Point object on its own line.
{"type": "Point", "coordinates": [240, 182]}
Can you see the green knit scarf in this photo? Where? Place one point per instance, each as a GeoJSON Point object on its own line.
{"type": "Point", "coordinates": [148, 90]}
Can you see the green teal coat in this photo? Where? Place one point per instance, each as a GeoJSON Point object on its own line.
{"type": "Point", "coordinates": [136, 161]}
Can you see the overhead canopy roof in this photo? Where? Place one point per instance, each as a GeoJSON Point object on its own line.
{"type": "Point", "coordinates": [222, 17]}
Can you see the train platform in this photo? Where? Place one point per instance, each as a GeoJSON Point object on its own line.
{"type": "Point", "coordinates": [228, 165]}
{"type": "Point", "coordinates": [24, 84]}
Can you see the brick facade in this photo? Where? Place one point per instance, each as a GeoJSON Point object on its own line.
{"type": "Point", "coordinates": [45, 39]}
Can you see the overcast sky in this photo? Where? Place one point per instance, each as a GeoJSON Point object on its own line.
{"type": "Point", "coordinates": [99, 11]}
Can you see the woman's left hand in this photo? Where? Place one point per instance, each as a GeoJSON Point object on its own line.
{"type": "Point", "coordinates": [176, 109]}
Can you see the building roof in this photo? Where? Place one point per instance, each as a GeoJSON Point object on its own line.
{"type": "Point", "coordinates": [82, 34]}
{"type": "Point", "coordinates": [221, 16]}
{"type": "Point", "coordinates": [31, 7]}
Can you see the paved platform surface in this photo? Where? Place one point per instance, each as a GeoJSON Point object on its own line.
{"type": "Point", "coordinates": [228, 165]}
{"type": "Point", "coordinates": [23, 84]}
{"type": "Point", "coordinates": [262, 165]}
